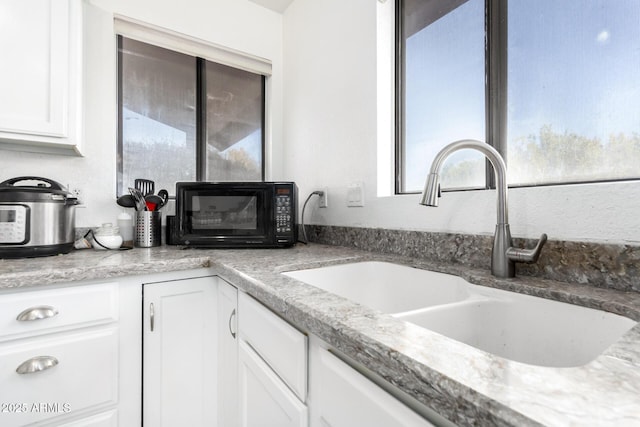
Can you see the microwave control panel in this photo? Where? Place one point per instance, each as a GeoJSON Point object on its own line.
{"type": "Point", "coordinates": [286, 206]}
{"type": "Point", "coordinates": [284, 215]}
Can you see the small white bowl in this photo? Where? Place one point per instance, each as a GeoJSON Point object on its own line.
{"type": "Point", "coordinates": [113, 241]}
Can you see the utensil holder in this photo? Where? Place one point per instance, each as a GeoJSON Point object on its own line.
{"type": "Point", "coordinates": [148, 229]}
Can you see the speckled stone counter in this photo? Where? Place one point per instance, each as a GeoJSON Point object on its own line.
{"type": "Point", "coordinates": [465, 385]}
{"type": "Point", "coordinates": [611, 266]}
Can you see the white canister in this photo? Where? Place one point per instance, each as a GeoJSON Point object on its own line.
{"type": "Point", "coordinates": [125, 224]}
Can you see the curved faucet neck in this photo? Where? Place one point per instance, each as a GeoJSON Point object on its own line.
{"type": "Point", "coordinates": [499, 167]}
{"type": "Point", "coordinates": [503, 255]}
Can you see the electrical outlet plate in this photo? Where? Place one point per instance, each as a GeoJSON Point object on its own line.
{"type": "Point", "coordinates": [323, 202]}
{"type": "Point", "coordinates": [78, 194]}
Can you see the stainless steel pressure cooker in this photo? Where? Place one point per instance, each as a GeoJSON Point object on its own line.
{"type": "Point", "coordinates": [36, 219]}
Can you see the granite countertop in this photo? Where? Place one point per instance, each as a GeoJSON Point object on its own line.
{"type": "Point", "coordinates": [464, 384]}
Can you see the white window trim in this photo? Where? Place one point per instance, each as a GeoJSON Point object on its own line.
{"type": "Point", "coordinates": [183, 43]}
{"type": "Point", "coordinates": [386, 98]}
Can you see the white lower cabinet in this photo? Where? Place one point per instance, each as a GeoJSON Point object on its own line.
{"type": "Point", "coordinates": [273, 368]}
{"type": "Point", "coordinates": [265, 401]}
{"type": "Point", "coordinates": [289, 379]}
{"type": "Point", "coordinates": [180, 359]}
{"type": "Point", "coordinates": [283, 347]}
{"type": "Point", "coordinates": [190, 353]}
{"type": "Point", "coordinates": [228, 409]}
{"type": "Point", "coordinates": [59, 356]}
{"type": "Point", "coordinates": [45, 375]}
{"type": "Point", "coordinates": [204, 354]}
{"type": "Point", "coordinates": [342, 397]}
{"type": "Point", "coordinates": [106, 419]}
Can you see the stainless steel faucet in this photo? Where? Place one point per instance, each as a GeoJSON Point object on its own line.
{"type": "Point", "coordinates": [504, 255]}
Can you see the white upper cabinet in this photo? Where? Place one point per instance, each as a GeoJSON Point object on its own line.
{"type": "Point", "coordinates": [41, 76]}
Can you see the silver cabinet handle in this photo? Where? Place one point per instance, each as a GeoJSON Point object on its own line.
{"type": "Point", "coordinates": [152, 316]}
{"type": "Point", "coordinates": [37, 313]}
{"type": "Point", "coordinates": [233, 313]}
{"type": "Point", "coordinates": [36, 364]}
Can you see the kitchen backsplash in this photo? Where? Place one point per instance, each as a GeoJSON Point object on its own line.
{"type": "Point", "coordinates": [601, 265]}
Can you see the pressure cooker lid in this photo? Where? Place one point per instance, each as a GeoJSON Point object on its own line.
{"type": "Point", "coordinates": [34, 188]}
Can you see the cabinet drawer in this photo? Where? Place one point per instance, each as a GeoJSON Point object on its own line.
{"type": "Point", "coordinates": [105, 419]}
{"type": "Point", "coordinates": [282, 346]}
{"type": "Point", "coordinates": [85, 375]}
{"type": "Point", "coordinates": [342, 397]}
{"type": "Point", "coordinates": [264, 400]}
{"type": "Point", "coordinates": [56, 309]}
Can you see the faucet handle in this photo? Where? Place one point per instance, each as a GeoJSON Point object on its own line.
{"type": "Point", "coordinates": [527, 255]}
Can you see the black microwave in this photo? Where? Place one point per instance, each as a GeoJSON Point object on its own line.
{"type": "Point", "coordinates": [234, 215]}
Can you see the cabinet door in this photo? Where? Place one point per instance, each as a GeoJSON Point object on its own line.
{"type": "Point", "coordinates": [41, 76]}
{"type": "Point", "coordinates": [264, 399]}
{"type": "Point", "coordinates": [179, 353]}
{"type": "Point", "coordinates": [280, 345]}
{"type": "Point", "coordinates": [342, 397]}
{"type": "Point", "coordinates": [228, 409]}
{"type": "Point", "coordinates": [105, 419]}
{"type": "Point", "coordinates": [59, 374]}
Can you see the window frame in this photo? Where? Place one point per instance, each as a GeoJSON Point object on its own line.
{"type": "Point", "coordinates": [496, 98]}
{"type": "Point", "coordinates": [201, 122]}
{"type": "Point", "coordinates": [203, 51]}
{"type": "Point", "coordinates": [399, 95]}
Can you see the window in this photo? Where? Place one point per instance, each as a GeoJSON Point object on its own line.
{"type": "Point", "coordinates": [184, 118]}
{"type": "Point", "coordinates": [555, 88]}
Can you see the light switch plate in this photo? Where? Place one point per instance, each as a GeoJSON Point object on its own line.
{"type": "Point", "coordinates": [355, 195]}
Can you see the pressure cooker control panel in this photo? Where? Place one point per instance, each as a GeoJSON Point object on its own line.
{"type": "Point", "coordinates": [14, 224]}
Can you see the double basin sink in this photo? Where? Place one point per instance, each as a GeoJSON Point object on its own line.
{"type": "Point", "coordinates": [513, 326]}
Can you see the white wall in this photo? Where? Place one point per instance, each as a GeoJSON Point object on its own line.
{"type": "Point", "coordinates": [238, 24]}
{"type": "Point", "coordinates": [332, 132]}
{"type": "Point", "coordinates": [324, 105]}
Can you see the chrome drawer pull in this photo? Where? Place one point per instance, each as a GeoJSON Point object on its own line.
{"type": "Point", "coordinates": [152, 316]}
{"type": "Point", "coordinates": [36, 364]}
{"type": "Point", "coordinates": [233, 313]}
{"type": "Point", "coordinates": [37, 313]}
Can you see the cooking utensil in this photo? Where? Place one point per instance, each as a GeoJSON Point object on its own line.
{"type": "Point", "coordinates": [37, 219]}
{"type": "Point", "coordinates": [164, 195]}
{"type": "Point", "coordinates": [154, 200]}
{"type": "Point", "coordinates": [126, 201]}
{"type": "Point", "coordinates": [139, 199]}
{"type": "Point", "coordinates": [146, 186]}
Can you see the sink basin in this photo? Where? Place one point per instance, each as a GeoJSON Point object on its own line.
{"type": "Point", "coordinates": [390, 288]}
{"type": "Point", "coordinates": [525, 329]}
{"type": "Point", "coordinates": [517, 327]}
